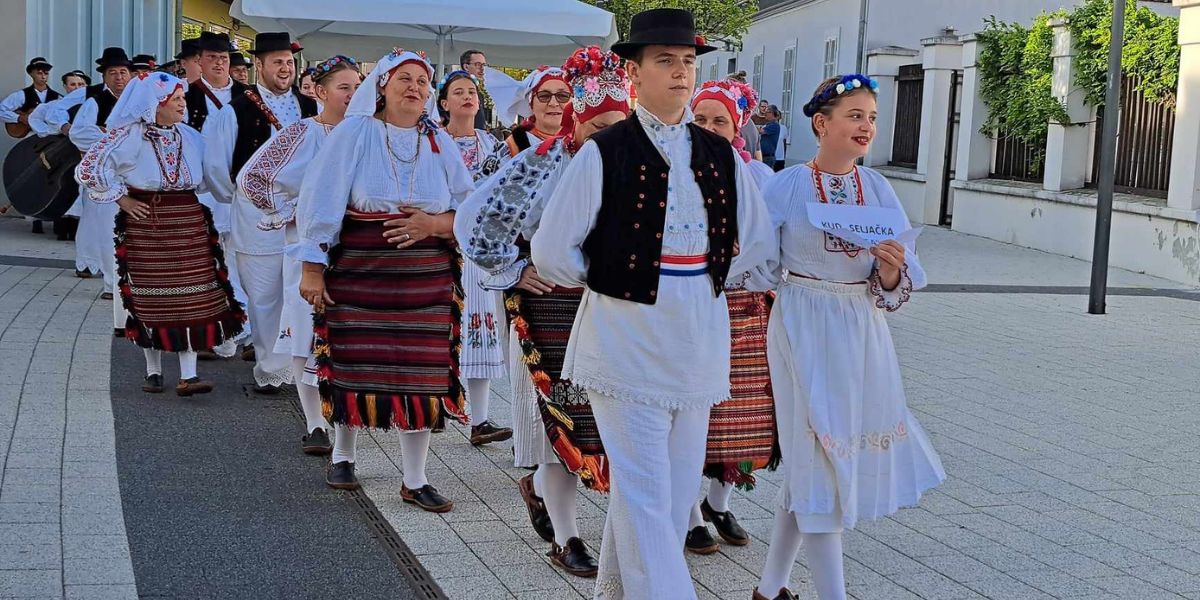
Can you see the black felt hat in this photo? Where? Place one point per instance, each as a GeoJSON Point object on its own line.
{"type": "Point", "coordinates": [188, 48]}
{"type": "Point", "coordinates": [144, 62]}
{"type": "Point", "coordinates": [38, 63]}
{"type": "Point", "coordinates": [662, 27]}
{"type": "Point", "coordinates": [274, 42]}
{"type": "Point", "coordinates": [215, 42]}
{"type": "Point", "coordinates": [113, 57]}
{"type": "Point", "coordinates": [237, 59]}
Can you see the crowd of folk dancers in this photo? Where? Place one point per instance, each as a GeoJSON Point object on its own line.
{"type": "Point", "coordinates": [670, 319]}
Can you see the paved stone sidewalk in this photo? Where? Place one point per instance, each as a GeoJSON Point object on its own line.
{"type": "Point", "coordinates": [1069, 440]}
{"type": "Point", "coordinates": [62, 533]}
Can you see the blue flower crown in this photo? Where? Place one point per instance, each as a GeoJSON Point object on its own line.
{"type": "Point", "coordinates": [848, 83]}
{"type": "Point", "coordinates": [458, 74]}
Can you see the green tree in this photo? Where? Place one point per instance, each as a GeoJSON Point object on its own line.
{"type": "Point", "coordinates": [720, 21]}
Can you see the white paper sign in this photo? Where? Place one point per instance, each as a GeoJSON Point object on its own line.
{"type": "Point", "coordinates": [864, 226]}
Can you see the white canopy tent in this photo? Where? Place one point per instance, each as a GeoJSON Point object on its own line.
{"type": "Point", "coordinates": [513, 33]}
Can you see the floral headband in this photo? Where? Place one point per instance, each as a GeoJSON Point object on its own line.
{"type": "Point", "coordinates": [459, 74]}
{"type": "Point", "coordinates": [320, 71]}
{"type": "Point", "coordinates": [848, 83]}
{"type": "Point", "coordinates": [597, 80]}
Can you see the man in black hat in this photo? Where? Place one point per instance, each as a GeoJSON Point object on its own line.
{"type": "Point", "coordinates": [15, 109]}
{"type": "Point", "coordinates": [214, 88]}
{"type": "Point", "coordinates": [232, 135]}
{"type": "Point", "coordinates": [142, 63]}
{"type": "Point", "coordinates": [189, 59]}
{"type": "Point", "coordinates": [94, 240]}
{"type": "Point", "coordinates": [239, 68]}
{"type": "Point", "coordinates": [654, 215]}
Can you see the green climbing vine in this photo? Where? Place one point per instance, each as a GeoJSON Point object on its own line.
{"type": "Point", "coordinates": [1016, 68]}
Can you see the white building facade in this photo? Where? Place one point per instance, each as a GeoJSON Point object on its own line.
{"type": "Point", "coordinates": [72, 33]}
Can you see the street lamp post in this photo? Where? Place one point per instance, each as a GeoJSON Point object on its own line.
{"type": "Point", "coordinates": [1108, 160]}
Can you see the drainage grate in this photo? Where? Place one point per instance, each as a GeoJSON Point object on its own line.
{"type": "Point", "coordinates": [421, 581]}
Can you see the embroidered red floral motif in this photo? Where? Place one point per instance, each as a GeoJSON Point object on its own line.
{"type": "Point", "coordinates": [700, 41]}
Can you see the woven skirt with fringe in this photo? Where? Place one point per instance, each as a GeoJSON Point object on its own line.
{"type": "Point", "coordinates": [742, 434]}
{"type": "Point", "coordinates": [172, 275]}
{"type": "Point", "coordinates": [387, 351]}
{"type": "Point", "coordinates": [543, 326]}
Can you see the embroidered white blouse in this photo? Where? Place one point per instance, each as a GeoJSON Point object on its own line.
{"type": "Point", "coordinates": [220, 131]}
{"type": "Point", "coordinates": [84, 132]}
{"type": "Point", "coordinates": [504, 206]}
{"type": "Point", "coordinates": [481, 153]}
{"type": "Point", "coordinates": [804, 250]}
{"type": "Point", "coordinates": [370, 166]}
{"type": "Point", "coordinates": [141, 156]}
{"type": "Point", "coordinates": [271, 178]}
{"type": "Point", "coordinates": [679, 346]}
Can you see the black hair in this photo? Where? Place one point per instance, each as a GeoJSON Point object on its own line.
{"type": "Point", "coordinates": [444, 93]}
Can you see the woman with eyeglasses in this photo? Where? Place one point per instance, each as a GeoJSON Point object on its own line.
{"type": "Point", "coordinates": [271, 182]}
{"type": "Point", "coordinates": [543, 102]}
{"type": "Point", "coordinates": [482, 358]}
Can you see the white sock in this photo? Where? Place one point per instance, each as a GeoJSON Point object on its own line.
{"type": "Point", "coordinates": [345, 441]}
{"type": "Point", "coordinates": [187, 365]}
{"type": "Point", "coordinates": [560, 485]}
{"type": "Point", "coordinates": [824, 554]}
{"type": "Point", "coordinates": [310, 398]}
{"type": "Point", "coordinates": [696, 518]}
{"type": "Point", "coordinates": [478, 395]}
{"type": "Point", "coordinates": [414, 449]}
{"type": "Point", "coordinates": [781, 554]}
{"type": "Point", "coordinates": [153, 361]}
{"type": "Point", "coordinates": [719, 494]}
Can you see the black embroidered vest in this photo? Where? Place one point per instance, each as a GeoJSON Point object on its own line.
{"type": "Point", "coordinates": [31, 98]}
{"type": "Point", "coordinates": [254, 129]}
{"type": "Point", "coordinates": [105, 102]}
{"type": "Point", "coordinates": [197, 106]}
{"type": "Point", "coordinates": [625, 246]}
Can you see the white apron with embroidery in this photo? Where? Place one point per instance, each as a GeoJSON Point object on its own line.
{"type": "Point", "coordinates": [851, 448]}
{"type": "Point", "coordinates": [483, 317]}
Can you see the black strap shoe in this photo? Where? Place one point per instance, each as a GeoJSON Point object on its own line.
{"type": "Point", "coordinates": [153, 384]}
{"type": "Point", "coordinates": [574, 558]}
{"type": "Point", "coordinates": [427, 498]}
{"type": "Point", "coordinates": [486, 433]}
{"type": "Point", "coordinates": [37, 227]}
{"type": "Point", "coordinates": [726, 524]}
{"type": "Point", "coordinates": [316, 442]}
{"type": "Point", "coordinates": [267, 390]}
{"type": "Point", "coordinates": [700, 541]}
{"type": "Point", "coordinates": [340, 476]}
{"type": "Point", "coordinates": [539, 517]}
{"type": "Point", "coordinates": [784, 594]}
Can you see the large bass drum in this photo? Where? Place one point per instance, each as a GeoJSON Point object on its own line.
{"type": "Point", "coordinates": [39, 176]}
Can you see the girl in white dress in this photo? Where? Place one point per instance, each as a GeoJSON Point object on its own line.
{"type": "Point", "coordinates": [482, 358]}
{"type": "Point", "coordinates": [851, 448]}
{"type": "Point", "coordinates": [271, 182]}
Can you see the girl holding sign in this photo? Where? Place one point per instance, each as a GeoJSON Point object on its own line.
{"type": "Point", "coordinates": [851, 448]}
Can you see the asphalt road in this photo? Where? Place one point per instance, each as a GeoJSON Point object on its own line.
{"type": "Point", "coordinates": [220, 503]}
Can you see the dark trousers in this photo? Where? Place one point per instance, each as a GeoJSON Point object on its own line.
{"type": "Point", "coordinates": [778, 166]}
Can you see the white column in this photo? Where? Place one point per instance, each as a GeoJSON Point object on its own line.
{"type": "Point", "coordinates": [1184, 190]}
{"type": "Point", "coordinates": [883, 65]}
{"type": "Point", "coordinates": [974, 148]}
{"type": "Point", "coordinates": [942, 56]}
{"type": "Point", "coordinates": [1066, 144]}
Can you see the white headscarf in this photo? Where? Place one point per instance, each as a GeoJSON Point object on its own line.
{"type": "Point", "coordinates": [141, 98]}
{"type": "Point", "coordinates": [364, 101]}
{"type": "Point", "coordinates": [522, 104]}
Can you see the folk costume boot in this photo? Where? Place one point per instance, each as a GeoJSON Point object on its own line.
{"type": "Point", "coordinates": [574, 558]}
{"type": "Point", "coordinates": [784, 594]}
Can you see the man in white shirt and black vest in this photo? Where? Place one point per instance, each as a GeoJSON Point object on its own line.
{"type": "Point", "coordinates": [653, 215]}
{"type": "Point", "coordinates": [232, 135]}
{"type": "Point", "coordinates": [16, 107]}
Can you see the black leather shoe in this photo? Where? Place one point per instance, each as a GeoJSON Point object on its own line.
{"type": "Point", "coordinates": [267, 390]}
{"type": "Point", "coordinates": [574, 558]}
{"type": "Point", "coordinates": [195, 385]}
{"type": "Point", "coordinates": [427, 498]}
{"type": "Point", "coordinates": [106, 295]}
{"type": "Point", "coordinates": [340, 476]}
{"type": "Point", "coordinates": [248, 354]}
{"type": "Point", "coordinates": [726, 524]}
{"type": "Point", "coordinates": [118, 332]}
{"type": "Point", "coordinates": [486, 433]}
{"type": "Point", "coordinates": [153, 384]}
{"type": "Point", "coordinates": [316, 442]}
{"type": "Point", "coordinates": [539, 517]}
{"type": "Point", "coordinates": [784, 594]}
{"type": "Point", "coordinates": [37, 227]}
{"type": "Point", "coordinates": [700, 541]}
{"type": "Point", "coordinates": [83, 273]}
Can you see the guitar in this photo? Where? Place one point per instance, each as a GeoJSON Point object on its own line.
{"type": "Point", "coordinates": [18, 130]}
